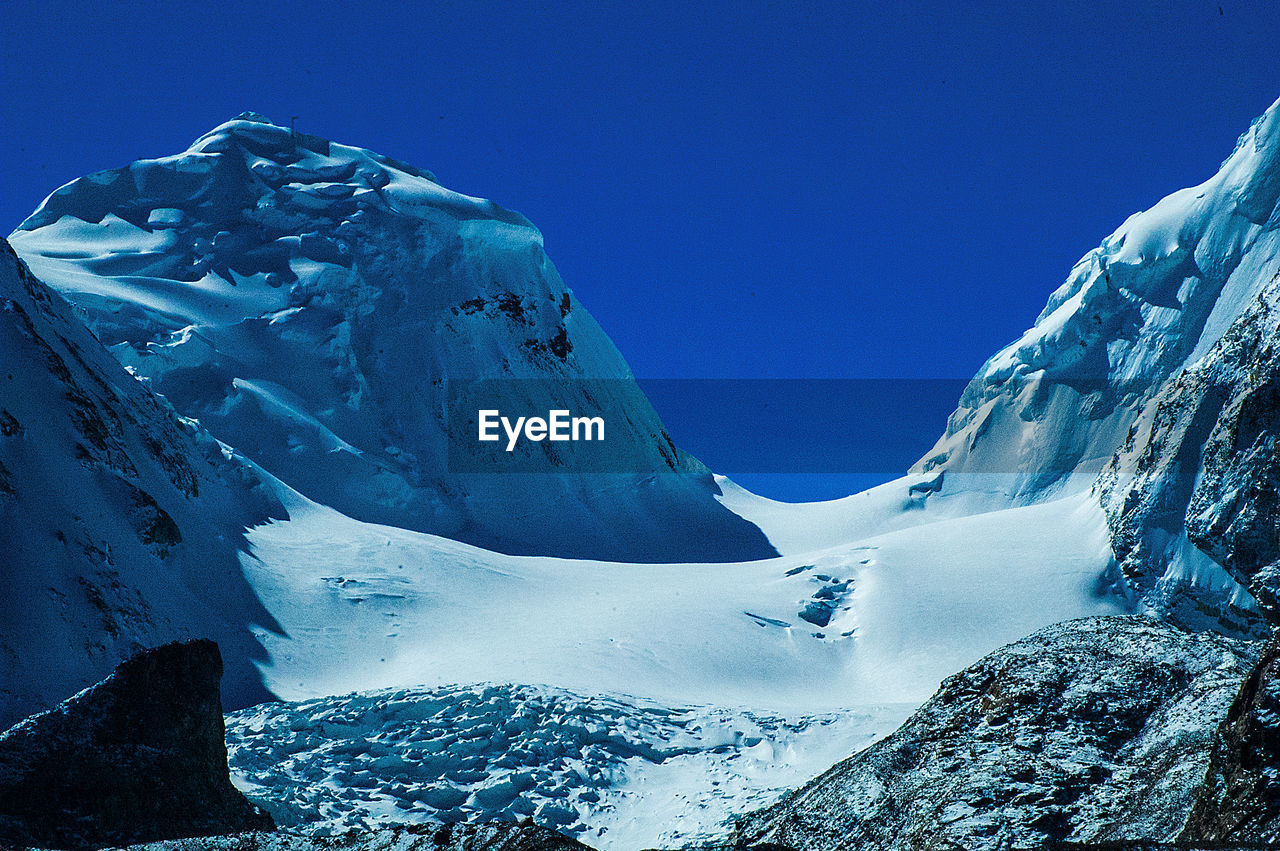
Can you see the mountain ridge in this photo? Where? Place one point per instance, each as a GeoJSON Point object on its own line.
{"type": "Point", "coordinates": [1131, 384]}
{"type": "Point", "coordinates": [125, 523]}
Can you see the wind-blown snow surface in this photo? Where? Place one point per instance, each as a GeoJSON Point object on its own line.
{"type": "Point", "coordinates": [312, 303]}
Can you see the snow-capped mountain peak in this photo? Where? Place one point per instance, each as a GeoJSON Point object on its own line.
{"type": "Point", "coordinates": [317, 306]}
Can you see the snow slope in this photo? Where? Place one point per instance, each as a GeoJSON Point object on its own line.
{"type": "Point", "coordinates": [122, 524]}
{"type": "Point", "coordinates": [913, 500]}
{"type": "Point", "coordinates": [651, 701]}
{"type": "Point", "coordinates": [877, 619]}
{"type": "Point", "coordinates": [320, 307]}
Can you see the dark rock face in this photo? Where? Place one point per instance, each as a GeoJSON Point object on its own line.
{"type": "Point", "coordinates": [500, 837]}
{"type": "Point", "coordinates": [138, 757]}
{"type": "Point", "coordinates": [1090, 731]}
{"type": "Point", "coordinates": [1240, 799]}
{"type": "Point", "coordinates": [1234, 511]}
{"type": "Point", "coordinates": [1157, 846]}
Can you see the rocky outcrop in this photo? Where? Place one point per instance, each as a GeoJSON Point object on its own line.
{"type": "Point", "coordinates": [1091, 731]}
{"type": "Point", "coordinates": [1240, 799]}
{"type": "Point", "coordinates": [140, 756]}
{"type": "Point", "coordinates": [493, 836]}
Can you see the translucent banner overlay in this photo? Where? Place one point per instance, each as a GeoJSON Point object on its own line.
{"type": "Point", "coordinates": [876, 427]}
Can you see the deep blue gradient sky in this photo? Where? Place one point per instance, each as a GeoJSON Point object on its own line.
{"type": "Point", "coordinates": [746, 190]}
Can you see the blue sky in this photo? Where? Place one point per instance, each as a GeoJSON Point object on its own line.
{"type": "Point", "coordinates": [746, 190]}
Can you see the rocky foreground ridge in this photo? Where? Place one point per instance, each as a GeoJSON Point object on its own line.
{"type": "Point", "coordinates": [1093, 731]}
{"type": "Point", "coordinates": [1114, 732]}
{"type": "Point", "coordinates": [138, 756]}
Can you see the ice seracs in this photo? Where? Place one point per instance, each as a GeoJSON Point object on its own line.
{"type": "Point", "coordinates": [1134, 380]}
{"type": "Point", "coordinates": [616, 772]}
{"type": "Point", "coordinates": [1051, 408]}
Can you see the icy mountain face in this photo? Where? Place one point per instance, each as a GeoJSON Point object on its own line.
{"type": "Point", "coordinates": [312, 304]}
{"type": "Point", "coordinates": [1193, 496]}
{"type": "Point", "coordinates": [1152, 374]}
{"type": "Point", "coordinates": [1149, 302]}
{"type": "Point", "coordinates": [122, 523]}
{"type": "Point", "coordinates": [1095, 730]}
